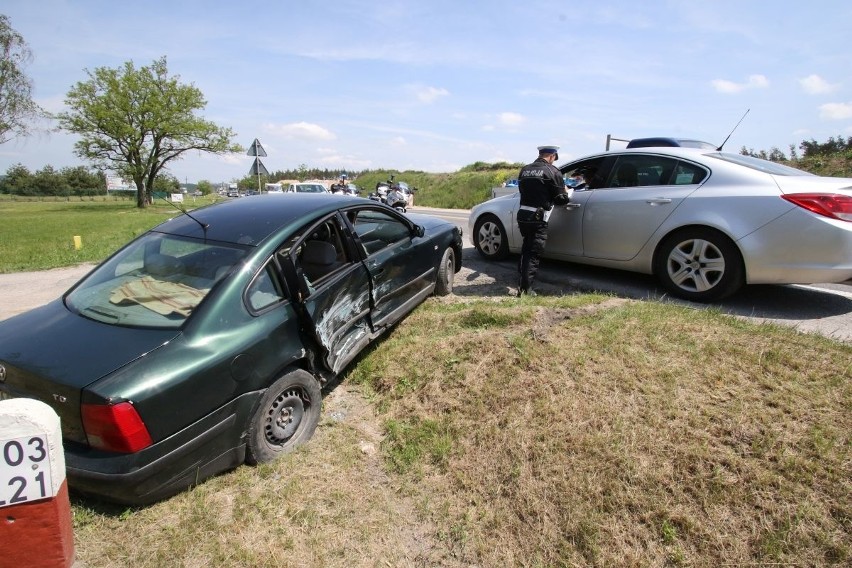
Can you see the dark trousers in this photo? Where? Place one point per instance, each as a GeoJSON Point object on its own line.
{"type": "Point", "coordinates": [535, 236]}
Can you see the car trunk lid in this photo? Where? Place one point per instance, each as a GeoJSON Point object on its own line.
{"type": "Point", "coordinates": [814, 184]}
{"type": "Point", "coordinates": [72, 352]}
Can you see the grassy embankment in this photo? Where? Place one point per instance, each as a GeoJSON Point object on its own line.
{"type": "Point", "coordinates": [575, 431]}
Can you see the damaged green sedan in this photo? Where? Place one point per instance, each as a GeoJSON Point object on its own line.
{"type": "Point", "coordinates": [205, 343]}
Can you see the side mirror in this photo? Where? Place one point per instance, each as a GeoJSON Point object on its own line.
{"type": "Point", "coordinates": [419, 230]}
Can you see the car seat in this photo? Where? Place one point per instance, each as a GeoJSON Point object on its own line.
{"type": "Point", "coordinates": [627, 176]}
{"type": "Point", "coordinates": [318, 258]}
{"type": "Point", "coordinates": [164, 266]}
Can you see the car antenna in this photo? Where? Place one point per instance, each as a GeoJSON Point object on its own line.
{"type": "Point", "coordinates": [719, 149]}
{"type": "Point", "coordinates": [204, 226]}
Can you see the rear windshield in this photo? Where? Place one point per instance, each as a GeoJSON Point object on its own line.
{"type": "Point", "coordinates": [758, 164]}
{"type": "Point", "coordinates": [155, 282]}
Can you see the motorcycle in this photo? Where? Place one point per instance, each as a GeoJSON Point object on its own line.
{"type": "Point", "coordinates": [390, 194]}
{"type": "Point", "coordinates": [396, 199]}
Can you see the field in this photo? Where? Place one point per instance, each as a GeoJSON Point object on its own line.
{"type": "Point", "coordinates": [580, 430]}
{"type": "Point", "coordinates": [38, 235]}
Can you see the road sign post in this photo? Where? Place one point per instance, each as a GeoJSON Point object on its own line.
{"type": "Point", "coordinates": [257, 168]}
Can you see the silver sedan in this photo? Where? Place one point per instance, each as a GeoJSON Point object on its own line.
{"type": "Point", "coordinates": [705, 222]}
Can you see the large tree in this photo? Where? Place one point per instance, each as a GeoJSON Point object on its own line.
{"type": "Point", "coordinates": [135, 121]}
{"type": "Point", "coordinates": [17, 108]}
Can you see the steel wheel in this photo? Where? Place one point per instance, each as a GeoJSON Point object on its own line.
{"type": "Point", "coordinates": [286, 417]}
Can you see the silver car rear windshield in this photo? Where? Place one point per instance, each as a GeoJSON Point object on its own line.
{"type": "Point", "coordinates": [154, 282]}
{"type": "Point", "coordinates": [758, 164]}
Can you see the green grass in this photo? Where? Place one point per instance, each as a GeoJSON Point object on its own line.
{"type": "Point", "coordinates": [575, 431]}
{"type": "Point", "coordinates": [37, 235]}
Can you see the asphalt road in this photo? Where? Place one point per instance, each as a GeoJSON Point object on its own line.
{"type": "Point", "coordinates": [817, 308]}
{"type": "Point", "coordinates": [822, 308]}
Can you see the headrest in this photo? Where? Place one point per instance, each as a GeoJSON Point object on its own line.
{"type": "Point", "coordinates": [163, 265]}
{"type": "Point", "coordinates": [319, 252]}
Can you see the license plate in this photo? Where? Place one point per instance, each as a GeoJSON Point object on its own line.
{"type": "Point", "coordinates": [24, 470]}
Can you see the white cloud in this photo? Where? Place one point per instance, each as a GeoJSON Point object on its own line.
{"type": "Point", "coordinates": [338, 160]}
{"type": "Point", "coordinates": [754, 82]}
{"type": "Point", "coordinates": [429, 95]}
{"type": "Point", "coordinates": [836, 111]}
{"type": "Point", "coordinates": [301, 131]}
{"type": "Point", "coordinates": [398, 141]}
{"type": "Point", "coordinates": [511, 119]}
{"type": "Point", "coordinates": [816, 85]}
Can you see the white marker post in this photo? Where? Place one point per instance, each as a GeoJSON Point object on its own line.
{"type": "Point", "coordinates": [35, 512]}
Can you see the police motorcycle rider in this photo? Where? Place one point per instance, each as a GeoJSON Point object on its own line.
{"type": "Point", "coordinates": [541, 186]}
{"type": "Point", "coordinates": [339, 188]}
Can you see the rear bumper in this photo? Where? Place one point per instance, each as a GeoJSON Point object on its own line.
{"type": "Point", "coordinates": [799, 248]}
{"type": "Point", "coordinates": [210, 446]}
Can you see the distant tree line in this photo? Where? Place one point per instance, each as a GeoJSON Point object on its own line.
{"type": "Point", "coordinates": [830, 158]}
{"type": "Point", "coordinates": [79, 181]}
{"type": "Point", "coordinates": [488, 167]}
{"type": "Point", "coordinates": [76, 181]}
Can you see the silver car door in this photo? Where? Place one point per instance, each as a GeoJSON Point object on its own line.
{"type": "Point", "coordinates": [641, 192]}
{"type": "Point", "coordinates": [565, 226]}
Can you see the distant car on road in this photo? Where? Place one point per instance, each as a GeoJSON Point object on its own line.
{"type": "Point", "coordinates": [306, 188]}
{"type": "Point", "coordinates": [705, 222]}
{"type": "Point", "coordinates": [205, 342]}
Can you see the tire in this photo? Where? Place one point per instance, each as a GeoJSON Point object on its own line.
{"type": "Point", "coordinates": [446, 273]}
{"type": "Point", "coordinates": [490, 238]}
{"type": "Point", "coordinates": [286, 417]}
{"type": "Point", "coordinates": [699, 264]}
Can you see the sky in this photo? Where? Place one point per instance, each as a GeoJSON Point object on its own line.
{"type": "Point", "coordinates": [434, 85]}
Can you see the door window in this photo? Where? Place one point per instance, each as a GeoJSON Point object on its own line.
{"type": "Point", "coordinates": [587, 174]}
{"type": "Point", "coordinates": [687, 174]}
{"type": "Point", "coordinates": [322, 253]}
{"type": "Point", "coordinates": [642, 170]}
{"type": "Point", "coordinates": [265, 290]}
{"type": "Point", "coordinates": [378, 230]}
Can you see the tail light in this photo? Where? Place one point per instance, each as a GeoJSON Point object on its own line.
{"type": "Point", "coordinates": [115, 427]}
{"type": "Point", "coordinates": [832, 205]}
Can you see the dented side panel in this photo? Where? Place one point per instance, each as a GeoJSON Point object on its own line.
{"type": "Point", "coordinates": [339, 311]}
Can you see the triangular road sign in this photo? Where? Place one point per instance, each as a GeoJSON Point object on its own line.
{"type": "Point", "coordinates": [256, 149]}
{"type": "Point", "coordinates": [258, 169]}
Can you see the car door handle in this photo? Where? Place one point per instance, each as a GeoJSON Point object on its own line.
{"type": "Point", "coordinates": [658, 201]}
{"type": "Point", "coordinates": [573, 206]}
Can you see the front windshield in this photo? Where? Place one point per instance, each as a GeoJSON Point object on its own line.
{"type": "Point", "coordinates": [758, 164]}
{"type": "Point", "coordinates": [156, 281]}
{"type": "Point", "coordinates": [310, 188]}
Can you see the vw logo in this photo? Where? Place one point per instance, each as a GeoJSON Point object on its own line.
{"type": "Point", "coordinates": [2, 374]}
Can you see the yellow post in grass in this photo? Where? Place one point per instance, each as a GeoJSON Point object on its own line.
{"type": "Point", "coordinates": [78, 242]}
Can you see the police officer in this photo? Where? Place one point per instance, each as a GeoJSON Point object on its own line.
{"type": "Point", "coordinates": [541, 187]}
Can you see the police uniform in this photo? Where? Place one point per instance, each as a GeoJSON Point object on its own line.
{"type": "Point", "coordinates": [541, 185]}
